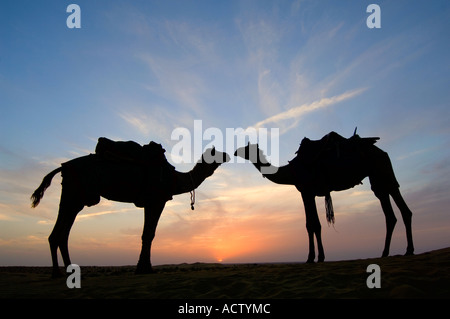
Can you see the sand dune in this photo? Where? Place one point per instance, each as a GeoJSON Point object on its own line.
{"type": "Point", "coordinates": [421, 276]}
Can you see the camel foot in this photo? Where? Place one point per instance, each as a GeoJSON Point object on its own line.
{"type": "Point", "coordinates": [321, 259]}
{"type": "Point", "coordinates": [409, 253]}
{"type": "Point", "coordinates": [56, 273]}
{"type": "Point", "coordinates": [144, 269]}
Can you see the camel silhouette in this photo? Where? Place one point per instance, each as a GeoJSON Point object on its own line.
{"type": "Point", "coordinates": [123, 172]}
{"type": "Point", "coordinates": [335, 163]}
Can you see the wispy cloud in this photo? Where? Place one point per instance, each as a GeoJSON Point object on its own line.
{"type": "Point", "coordinates": [292, 83]}
{"type": "Point", "coordinates": [175, 82]}
{"type": "Point", "coordinates": [296, 113]}
{"type": "Point", "coordinates": [152, 123]}
{"type": "Point", "coordinates": [183, 76]}
{"type": "Point", "coordinates": [106, 212]}
{"type": "Point", "coordinates": [138, 122]}
{"type": "Point", "coordinates": [414, 153]}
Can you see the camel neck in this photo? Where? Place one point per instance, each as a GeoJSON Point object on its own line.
{"type": "Point", "coordinates": [188, 181]}
{"type": "Point", "coordinates": [278, 175]}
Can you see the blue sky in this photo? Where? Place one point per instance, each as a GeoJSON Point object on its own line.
{"type": "Point", "coordinates": [138, 70]}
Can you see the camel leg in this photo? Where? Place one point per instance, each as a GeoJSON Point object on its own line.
{"type": "Point", "coordinates": [390, 220]}
{"type": "Point", "coordinates": [53, 240]}
{"type": "Point", "coordinates": [407, 219]}
{"type": "Point", "coordinates": [60, 234]}
{"type": "Point", "coordinates": [313, 227]}
{"type": "Point", "coordinates": [64, 240]}
{"type": "Point", "coordinates": [321, 257]}
{"type": "Point", "coordinates": [152, 214]}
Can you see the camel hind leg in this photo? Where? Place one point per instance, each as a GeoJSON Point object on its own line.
{"type": "Point", "coordinates": [384, 183]}
{"type": "Point", "coordinates": [391, 220]}
{"type": "Point", "coordinates": [68, 210]}
{"type": "Point", "coordinates": [313, 227]}
{"type": "Point", "coordinates": [407, 219]}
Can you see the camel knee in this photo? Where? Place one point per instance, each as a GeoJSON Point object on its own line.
{"type": "Point", "coordinates": [390, 222]}
{"type": "Point", "coordinates": [147, 237]}
{"type": "Point", "coordinates": [407, 218]}
{"type": "Point", "coordinates": [53, 241]}
{"type": "Point", "coordinates": [313, 225]}
{"type": "Point", "coordinates": [405, 211]}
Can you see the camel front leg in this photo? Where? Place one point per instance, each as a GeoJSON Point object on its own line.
{"type": "Point", "coordinates": [390, 220]}
{"type": "Point", "coordinates": [321, 257]}
{"type": "Point", "coordinates": [313, 227]}
{"type": "Point", "coordinates": [152, 213]}
{"type": "Point", "coordinates": [312, 253]}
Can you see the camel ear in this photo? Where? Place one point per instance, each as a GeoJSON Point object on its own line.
{"type": "Point", "coordinates": [213, 151]}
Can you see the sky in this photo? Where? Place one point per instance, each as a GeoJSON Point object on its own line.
{"type": "Point", "coordinates": [138, 70]}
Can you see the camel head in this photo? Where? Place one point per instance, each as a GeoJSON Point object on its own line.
{"type": "Point", "coordinates": [211, 156]}
{"type": "Point", "coordinates": [208, 163]}
{"type": "Point", "coordinates": [250, 152]}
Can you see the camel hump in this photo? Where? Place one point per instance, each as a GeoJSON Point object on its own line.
{"type": "Point", "coordinates": [369, 140]}
{"type": "Point", "coordinates": [332, 143]}
{"type": "Point", "coordinates": [129, 151]}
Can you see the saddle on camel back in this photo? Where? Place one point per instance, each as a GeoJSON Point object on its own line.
{"type": "Point", "coordinates": [333, 163]}
{"type": "Point", "coordinates": [332, 146]}
{"type": "Point", "coordinates": [129, 151]}
{"type": "Point", "coordinates": [149, 157]}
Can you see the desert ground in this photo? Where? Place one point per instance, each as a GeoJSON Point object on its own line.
{"type": "Point", "coordinates": [425, 275]}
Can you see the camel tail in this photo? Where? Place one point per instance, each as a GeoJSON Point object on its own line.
{"type": "Point", "coordinates": [39, 192]}
{"type": "Point", "coordinates": [329, 209]}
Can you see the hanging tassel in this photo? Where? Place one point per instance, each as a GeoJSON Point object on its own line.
{"type": "Point", "coordinates": [192, 199]}
{"type": "Point", "coordinates": [192, 192]}
{"type": "Point", "coordinates": [329, 209]}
